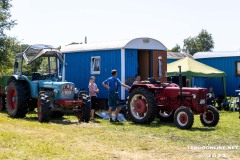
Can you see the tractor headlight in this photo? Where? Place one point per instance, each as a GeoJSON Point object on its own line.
{"type": "Point", "coordinates": [194, 96]}
{"type": "Point", "coordinates": [76, 90]}
{"type": "Point", "coordinates": [202, 101]}
{"type": "Point", "coordinates": [56, 91]}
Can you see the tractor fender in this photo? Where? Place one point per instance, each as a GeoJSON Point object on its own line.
{"type": "Point", "coordinates": [31, 85]}
{"type": "Point", "coordinates": [147, 86]}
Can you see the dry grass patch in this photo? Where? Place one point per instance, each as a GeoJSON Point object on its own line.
{"type": "Point", "coordinates": [66, 139]}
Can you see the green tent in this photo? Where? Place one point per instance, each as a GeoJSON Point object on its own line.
{"type": "Point", "coordinates": [192, 68]}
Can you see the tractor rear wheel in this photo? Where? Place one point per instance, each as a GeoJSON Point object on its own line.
{"type": "Point", "coordinates": [43, 107]}
{"type": "Point", "coordinates": [85, 108]}
{"type": "Point", "coordinates": [141, 106]}
{"type": "Point", "coordinates": [210, 118]}
{"type": "Point", "coordinates": [2, 104]}
{"type": "Point", "coordinates": [16, 98]}
{"type": "Point", "coordinates": [166, 116]}
{"type": "Point", "coordinates": [183, 118]}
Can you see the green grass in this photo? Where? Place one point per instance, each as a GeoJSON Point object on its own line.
{"type": "Point", "coordinates": [66, 139]}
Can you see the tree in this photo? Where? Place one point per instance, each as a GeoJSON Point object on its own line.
{"type": "Point", "coordinates": [7, 47]}
{"type": "Point", "coordinates": [177, 48]}
{"type": "Point", "coordinates": [189, 45]}
{"type": "Point", "coordinates": [205, 41]}
{"type": "Point", "coordinates": [202, 43]}
{"type": "Point", "coordinates": [7, 44]}
{"type": "Point", "coordinates": [5, 22]}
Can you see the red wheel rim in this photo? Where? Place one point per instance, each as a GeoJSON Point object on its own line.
{"type": "Point", "coordinates": [39, 110]}
{"type": "Point", "coordinates": [209, 116]}
{"type": "Point", "coordinates": [12, 99]}
{"type": "Point", "coordinates": [140, 106]}
{"type": "Point", "coordinates": [183, 118]}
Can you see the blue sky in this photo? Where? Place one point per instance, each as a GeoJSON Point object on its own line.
{"type": "Point", "coordinates": [60, 22]}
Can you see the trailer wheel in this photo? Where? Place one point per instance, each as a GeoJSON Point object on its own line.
{"type": "Point", "coordinates": [183, 118]}
{"type": "Point", "coordinates": [85, 108]}
{"type": "Point", "coordinates": [210, 118]}
{"type": "Point", "coordinates": [16, 98]}
{"type": "Point", "coordinates": [2, 104]}
{"type": "Point", "coordinates": [141, 106]}
{"type": "Point", "coordinates": [43, 107]}
{"type": "Point", "coordinates": [166, 116]}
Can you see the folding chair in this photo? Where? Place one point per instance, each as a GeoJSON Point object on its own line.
{"type": "Point", "coordinates": [233, 105]}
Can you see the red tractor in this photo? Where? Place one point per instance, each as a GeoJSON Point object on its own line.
{"type": "Point", "coordinates": [170, 103]}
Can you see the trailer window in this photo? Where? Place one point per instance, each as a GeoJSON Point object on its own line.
{"type": "Point", "coordinates": [95, 65]}
{"type": "Point", "coordinates": [237, 68]}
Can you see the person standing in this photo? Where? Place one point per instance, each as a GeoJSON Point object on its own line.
{"type": "Point", "coordinates": [112, 84]}
{"type": "Point", "coordinates": [93, 90]}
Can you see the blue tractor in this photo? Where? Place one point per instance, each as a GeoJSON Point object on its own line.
{"type": "Point", "coordinates": [38, 81]}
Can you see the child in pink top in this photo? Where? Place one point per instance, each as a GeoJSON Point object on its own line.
{"type": "Point", "coordinates": [93, 90]}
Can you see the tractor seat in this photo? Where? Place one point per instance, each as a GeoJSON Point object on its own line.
{"type": "Point", "coordinates": [36, 76]}
{"type": "Point", "coordinates": [152, 80]}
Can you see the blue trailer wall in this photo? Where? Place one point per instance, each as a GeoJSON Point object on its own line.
{"type": "Point", "coordinates": [171, 60]}
{"type": "Point", "coordinates": [226, 64]}
{"type": "Point", "coordinates": [78, 69]}
{"type": "Point", "coordinates": [216, 83]}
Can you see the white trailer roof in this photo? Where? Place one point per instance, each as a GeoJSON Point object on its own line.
{"type": "Point", "coordinates": [200, 55]}
{"type": "Point", "coordinates": [137, 43]}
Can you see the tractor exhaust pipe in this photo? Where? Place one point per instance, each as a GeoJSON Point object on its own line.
{"type": "Point", "coordinates": [180, 84]}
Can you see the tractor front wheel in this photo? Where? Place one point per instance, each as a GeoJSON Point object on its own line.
{"type": "Point", "coordinates": [210, 118]}
{"type": "Point", "coordinates": [183, 118]}
{"type": "Point", "coordinates": [141, 106]}
{"type": "Point", "coordinates": [85, 108]}
{"type": "Point", "coordinates": [43, 107]}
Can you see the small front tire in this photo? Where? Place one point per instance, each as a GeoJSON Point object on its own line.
{"type": "Point", "coordinates": [43, 107]}
{"type": "Point", "coordinates": [183, 118]}
{"type": "Point", "coordinates": [85, 108]}
{"type": "Point", "coordinates": [210, 118]}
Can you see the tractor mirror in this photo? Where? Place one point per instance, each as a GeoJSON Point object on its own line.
{"type": "Point", "coordinates": [16, 65]}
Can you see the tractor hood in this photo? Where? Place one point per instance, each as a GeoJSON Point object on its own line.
{"type": "Point", "coordinates": [35, 51]}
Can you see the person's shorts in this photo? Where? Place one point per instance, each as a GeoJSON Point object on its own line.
{"type": "Point", "coordinates": [113, 100]}
{"type": "Point", "coordinates": [93, 102]}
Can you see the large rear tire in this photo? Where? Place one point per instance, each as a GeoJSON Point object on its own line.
{"type": "Point", "coordinates": [183, 118]}
{"type": "Point", "coordinates": [210, 118]}
{"type": "Point", "coordinates": [2, 104]}
{"type": "Point", "coordinates": [85, 108]}
{"type": "Point", "coordinates": [16, 98]}
{"type": "Point", "coordinates": [141, 106]}
{"type": "Point", "coordinates": [43, 107]}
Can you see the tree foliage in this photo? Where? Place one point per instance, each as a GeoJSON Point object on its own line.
{"type": "Point", "coordinates": [7, 44]}
{"type": "Point", "coordinates": [176, 48]}
{"type": "Point", "coordinates": [7, 47]}
{"type": "Point", "coordinates": [201, 43]}
{"type": "Point", "coordinates": [5, 22]}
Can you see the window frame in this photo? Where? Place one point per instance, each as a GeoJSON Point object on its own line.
{"type": "Point", "coordinates": [237, 72]}
{"type": "Point", "coordinates": [93, 65]}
